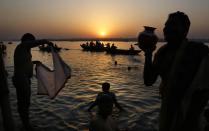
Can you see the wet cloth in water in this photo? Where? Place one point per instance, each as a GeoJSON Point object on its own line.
{"type": "Point", "coordinates": [50, 82]}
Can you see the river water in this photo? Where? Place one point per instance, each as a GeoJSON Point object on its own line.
{"type": "Point", "coordinates": [68, 111]}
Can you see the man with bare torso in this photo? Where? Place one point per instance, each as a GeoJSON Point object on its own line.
{"type": "Point", "coordinates": [23, 71]}
{"type": "Point", "coordinates": [176, 63]}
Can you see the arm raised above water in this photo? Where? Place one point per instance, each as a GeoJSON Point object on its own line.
{"type": "Point", "coordinates": [150, 70]}
{"type": "Point", "coordinates": [35, 43]}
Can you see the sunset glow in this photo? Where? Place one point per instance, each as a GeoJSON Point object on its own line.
{"type": "Point", "coordinates": [103, 34]}
{"type": "Point", "coordinates": [96, 18]}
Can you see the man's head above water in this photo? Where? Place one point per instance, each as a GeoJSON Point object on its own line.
{"type": "Point", "coordinates": [106, 87]}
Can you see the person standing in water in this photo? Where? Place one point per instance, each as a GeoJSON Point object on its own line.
{"type": "Point", "coordinates": [23, 71]}
{"type": "Point", "coordinates": [176, 63]}
{"type": "Point", "coordinates": [8, 122]}
{"type": "Point", "coordinates": [105, 91]}
{"type": "Point", "coordinates": [103, 120]}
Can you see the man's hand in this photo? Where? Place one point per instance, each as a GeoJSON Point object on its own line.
{"type": "Point", "coordinates": [50, 44]}
{"type": "Point", "coordinates": [147, 49]}
{"type": "Point", "coordinates": [46, 42]}
{"type": "Point", "coordinates": [37, 62]}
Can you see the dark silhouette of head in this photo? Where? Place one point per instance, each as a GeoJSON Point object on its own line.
{"type": "Point", "coordinates": [176, 27]}
{"type": "Point", "coordinates": [28, 37]}
{"type": "Point", "coordinates": [105, 106]}
{"type": "Point", "coordinates": [106, 86]}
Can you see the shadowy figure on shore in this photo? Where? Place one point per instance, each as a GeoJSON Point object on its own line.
{"type": "Point", "coordinates": [23, 71]}
{"type": "Point", "coordinates": [8, 122]}
{"type": "Point", "coordinates": [177, 63]}
{"type": "Point", "coordinates": [106, 92]}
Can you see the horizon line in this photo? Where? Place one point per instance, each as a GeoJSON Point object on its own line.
{"type": "Point", "coordinates": [122, 39]}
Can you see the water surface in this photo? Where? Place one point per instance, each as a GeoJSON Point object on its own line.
{"type": "Point", "coordinates": [68, 111]}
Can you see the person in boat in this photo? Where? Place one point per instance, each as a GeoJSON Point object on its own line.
{"type": "Point", "coordinates": [176, 63]}
{"type": "Point", "coordinates": [23, 71]}
{"type": "Point", "coordinates": [87, 44]}
{"type": "Point", "coordinates": [6, 112]}
{"type": "Point", "coordinates": [91, 44]}
{"type": "Point", "coordinates": [102, 45]}
{"type": "Point", "coordinates": [113, 47]}
{"type": "Point", "coordinates": [131, 48]}
{"type": "Point", "coordinates": [105, 91]}
{"type": "Point", "coordinates": [108, 46]}
{"type": "Point", "coordinates": [98, 43]}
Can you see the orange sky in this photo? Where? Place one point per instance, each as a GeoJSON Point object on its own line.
{"type": "Point", "coordinates": [92, 18]}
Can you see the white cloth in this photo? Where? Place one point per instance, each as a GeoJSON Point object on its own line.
{"type": "Point", "coordinates": [51, 82]}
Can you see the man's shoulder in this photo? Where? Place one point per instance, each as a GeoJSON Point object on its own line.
{"type": "Point", "coordinates": [112, 93]}
{"type": "Point", "coordinates": [198, 47]}
{"type": "Point", "coordinates": [99, 94]}
{"type": "Point", "coordinates": [106, 93]}
{"type": "Point", "coordinates": [21, 46]}
{"type": "Point", "coordinates": [162, 48]}
{"type": "Point", "coordinates": [109, 94]}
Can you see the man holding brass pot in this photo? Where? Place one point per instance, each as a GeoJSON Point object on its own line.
{"type": "Point", "coordinates": [177, 63]}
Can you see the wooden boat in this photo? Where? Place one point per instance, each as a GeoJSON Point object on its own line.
{"type": "Point", "coordinates": [98, 47]}
{"type": "Point", "coordinates": [93, 48]}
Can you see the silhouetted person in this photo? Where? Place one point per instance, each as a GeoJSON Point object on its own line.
{"type": "Point", "coordinates": [108, 46]}
{"type": "Point", "coordinates": [4, 96]}
{"type": "Point", "coordinates": [131, 48]}
{"type": "Point", "coordinates": [87, 43]}
{"type": "Point", "coordinates": [103, 120]}
{"type": "Point", "coordinates": [176, 63]}
{"type": "Point", "coordinates": [113, 47]}
{"type": "Point", "coordinates": [105, 91]}
{"type": "Point", "coordinates": [91, 44]}
{"type": "Point", "coordinates": [23, 71]}
{"type": "Point", "coordinates": [98, 43]}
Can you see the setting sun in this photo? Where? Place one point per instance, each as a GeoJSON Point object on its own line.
{"type": "Point", "coordinates": [102, 33]}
